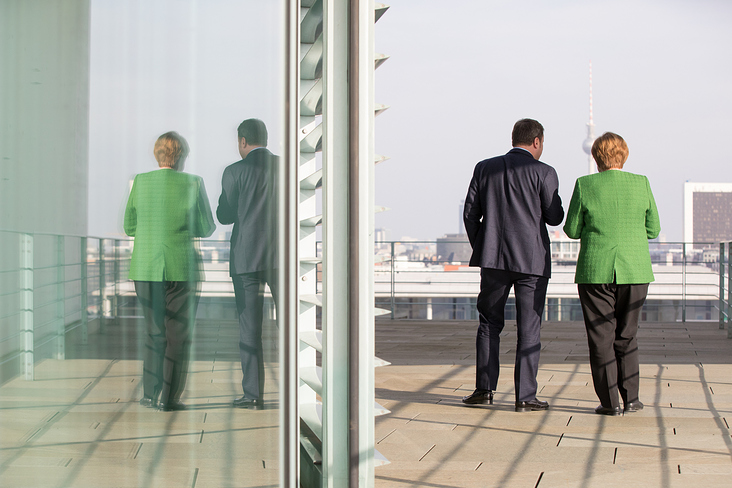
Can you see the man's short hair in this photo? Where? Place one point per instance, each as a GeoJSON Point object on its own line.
{"type": "Point", "coordinates": [169, 149]}
{"type": "Point", "coordinates": [525, 131]}
{"type": "Point", "coordinates": [254, 131]}
{"type": "Point", "coordinates": [609, 151]}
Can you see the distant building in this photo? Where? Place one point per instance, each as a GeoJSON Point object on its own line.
{"type": "Point", "coordinates": [380, 238]}
{"type": "Point", "coordinates": [707, 212]}
{"type": "Point", "coordinates": [454, 248]}
{"type": "Point", "coordinates": [564, 249]}
{"type": "Point", "coordinates": [461, 222]}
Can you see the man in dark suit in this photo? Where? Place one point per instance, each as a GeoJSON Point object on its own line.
{"type": "Point", "coordinates": [249, 201]}
{"type": "Point", "coordinates": [510, 201]}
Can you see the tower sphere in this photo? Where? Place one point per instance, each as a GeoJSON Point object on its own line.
{"type": "Point", "coordinates": [587, 145]}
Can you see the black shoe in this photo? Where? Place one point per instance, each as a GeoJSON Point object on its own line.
{"type": "Point", "coordinates": [148, 402]}
{"type": "Point", "coordinates": [250, 403]}
{"type": "Point", "coordinates": [479, 397]}
{"type": "Point", "coordinates": [171, 406]}
{"type": "Point", "coordinates": [607, 410]}
{"type": "Point", "coordinates": [633, 406]}
{"type": "Point", "coordinates": [531, 405]}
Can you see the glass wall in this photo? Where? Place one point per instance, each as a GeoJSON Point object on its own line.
{"type": "Point", "coordinates": [127, 357]}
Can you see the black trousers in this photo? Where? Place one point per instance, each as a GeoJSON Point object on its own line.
{"type": "Point", "coordinates": [611, 313]}
{"type": "Point", "coordinates": [169, 308]}
{"type": "Point", "coordinates": [249, 293]}
{"type": "Point", "coordinates": [530, 292]}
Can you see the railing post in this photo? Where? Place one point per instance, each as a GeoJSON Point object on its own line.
{"type": "Point", "coordinates": [102, 286]}
{"type": "Point", "coordinates": [115, 299]}
{"type": "Point", "coordinates": [722, 310]}
{"type": "Point", "coordinates": [84, 293]}
{"type": "Point", "coordinates": [60, 352]}
{"type": "Point", "coordinates": [559, 310]}
{"type": "Point", "coordinates": [683, 283]}
{"type": "Point", "coordinates": [26, 306]}
{"type": "Point", "coordinates": [393, 280]}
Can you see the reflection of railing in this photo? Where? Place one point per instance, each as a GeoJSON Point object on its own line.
{"type": "Point", "coordinates": [217, 289]}
{"type": "Point", "coordinates": [431, 280]}
{"type": "Point", "coordinates": [54, 287]}
{"type": "Point", "coordinates": [47, 291]}
{"type": "Point", "coordinates": [725, 287]}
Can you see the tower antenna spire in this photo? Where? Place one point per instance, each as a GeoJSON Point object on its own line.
{"type": "Point", "coordinates": [591, 123]}
{"type": "Point", "coordinates": [587, 145]}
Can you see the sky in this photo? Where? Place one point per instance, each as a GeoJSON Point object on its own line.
{"type": "Point", "coordinates": [195, 67]}
{"type": "Point", "coordinates": [459, 75]}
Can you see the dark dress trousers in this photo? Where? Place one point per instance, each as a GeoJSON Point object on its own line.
{"type": "Point", "coordinates": [611, 312]}
{"type": "Point", "coordinates": [510, 201]}
{"type": "Point", "coordinates": [169, 308]}
{"type": "Point", "coordinates": [249, 201]}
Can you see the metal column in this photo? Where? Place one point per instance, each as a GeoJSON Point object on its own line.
{"type": "Point", "coordinates": [309, 136]}
{"type": "Point", "coordinates": [335, 247]}
{"type": "Point", "coordinates": [337, 112]}
{"type": "Point", "coordinates": [288, 235]}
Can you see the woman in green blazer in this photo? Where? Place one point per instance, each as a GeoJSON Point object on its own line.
{"type": "Point", "coordinates": [613, 213]}
{"type": "Point", "coordinates": [166, 210]}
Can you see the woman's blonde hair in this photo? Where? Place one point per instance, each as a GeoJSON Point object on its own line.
{"type": "Point", "coordinates": [169, 149]}
{"type": "Point", "coordinates": [609, 151]}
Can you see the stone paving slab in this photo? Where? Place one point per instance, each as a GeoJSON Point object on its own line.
{"type": "Point", "coordinates": [80, 425]}
{"type": "Point", "coordinates": [117, 475]}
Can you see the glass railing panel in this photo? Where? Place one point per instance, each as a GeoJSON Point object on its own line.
{"type": "Point", "coordinates": [425, 280]}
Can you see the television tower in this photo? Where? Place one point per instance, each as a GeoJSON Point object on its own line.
{"type": "Point", "coordinates": [587, 145]}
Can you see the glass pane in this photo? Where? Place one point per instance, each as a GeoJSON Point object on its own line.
{"type": "Point", "coordinates": [125, 351]}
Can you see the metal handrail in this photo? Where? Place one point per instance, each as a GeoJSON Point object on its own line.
{"type": "Point", "coordinates": [104, 265]}
{"type": "Point", "coordinates": [687, 261]}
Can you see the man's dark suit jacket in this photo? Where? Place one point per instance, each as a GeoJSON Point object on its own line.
{"type": "Point", "coordinates": [249, 201]}
{"type": "Point", "coordinates": [510, 200]}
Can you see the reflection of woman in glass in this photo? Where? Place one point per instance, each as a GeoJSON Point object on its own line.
{"type": "Point", "coordinates": [166, 210]}
{"type": "Point", "coordinates": [614, 214]}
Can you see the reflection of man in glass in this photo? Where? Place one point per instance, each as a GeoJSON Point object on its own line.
{"type": "Point", "coordinates": [166, 210]}
{"type": "Point", "coordinates": [248, 200]}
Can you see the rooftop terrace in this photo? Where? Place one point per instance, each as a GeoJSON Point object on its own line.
{"type": "Point", "coordinates": [79, 424]}
{"type": "Point", "coordinates": [682, 438]}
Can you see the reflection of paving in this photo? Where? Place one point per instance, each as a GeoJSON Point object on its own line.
{"type": "Point", "coordinates": [79, 423]}
{"type": "Point", "coordinates": [681, 439]}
